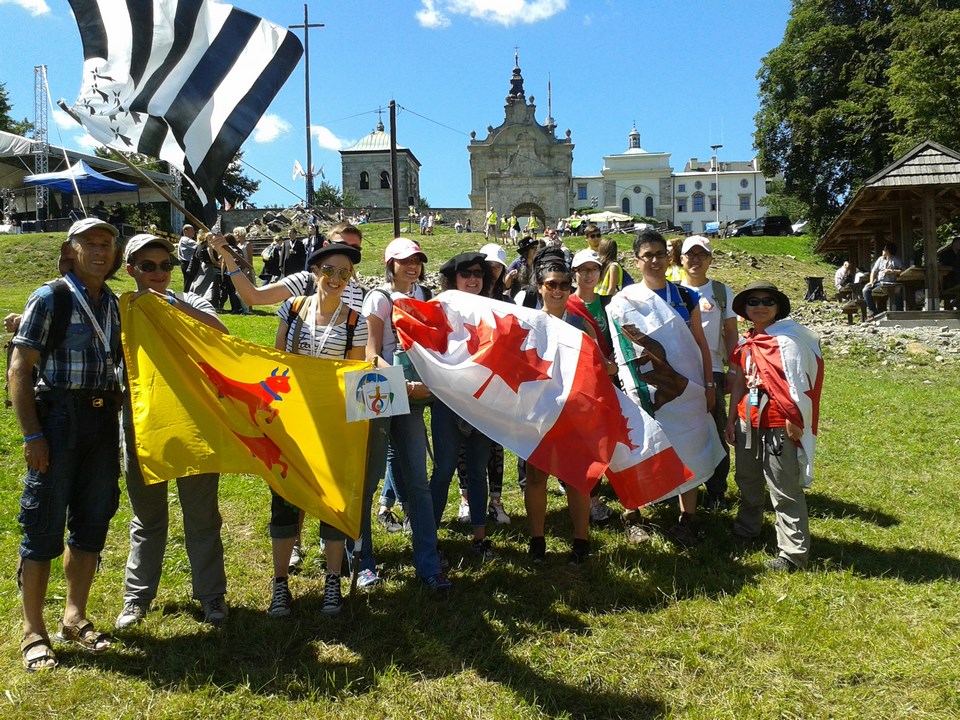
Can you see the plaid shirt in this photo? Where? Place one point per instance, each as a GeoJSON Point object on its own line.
{"type": "Point", "coordinates": [80, 362]}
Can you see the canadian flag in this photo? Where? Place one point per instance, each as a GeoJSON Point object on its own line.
{"type": "Point", "coordinates": [790, 363]}
{"type": "Point", "coordinates": [537, 385]}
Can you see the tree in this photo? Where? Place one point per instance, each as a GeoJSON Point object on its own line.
{"type": "Point", "coordinates": [327, 195]}
{"type": "Point", "coordinates": [234, 187]}
{"type": "Point", "coordinates": [7, 123]}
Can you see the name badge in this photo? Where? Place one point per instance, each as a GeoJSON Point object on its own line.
{"type": "Point", "coordinates": [754, 397]}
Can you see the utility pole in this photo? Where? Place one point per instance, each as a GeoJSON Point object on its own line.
{"type": "Point", "coordinates": [394, 190]}
{"type": "Point", "coordinates": [306, 93]}
{"type": "Point", "coordinates": [716, 164]}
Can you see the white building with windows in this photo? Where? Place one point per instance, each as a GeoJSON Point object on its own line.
{"type": "Point", "coordinates": [365, 168]}
{"type": "Point", "coordinates": [741, 187]}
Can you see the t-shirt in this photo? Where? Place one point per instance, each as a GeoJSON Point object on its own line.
{"type": "Point", "coordinates": [376, 303]}
{"type": "Point", "coordinates": [311, 341]}
{"type": "Point", "coordinates": [712, 320]}
{"type": "Point", "coordinates": [303, 283]}
{"type": "Point", "coordinates": [186, 248]}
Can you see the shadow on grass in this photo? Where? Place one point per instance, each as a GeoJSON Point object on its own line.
{"type": "Point", "coordinates": [913, 565]}
{"type": "Point", "coordinates": [822, 506]}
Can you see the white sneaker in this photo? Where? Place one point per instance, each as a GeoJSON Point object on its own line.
{"type": "Point", "coordinates": [496, 512]}
{"type": "Point", "coordinates": [463, 513]}
{"type": "Point", "coordinates": [131, 614]}
{"type": "Point", "coordinates": [600, 512]}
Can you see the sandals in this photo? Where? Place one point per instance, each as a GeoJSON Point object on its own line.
{"type": "Point", "coordinates": [86, 636]}
{"type": "Point", "coordinates": [42, 659]}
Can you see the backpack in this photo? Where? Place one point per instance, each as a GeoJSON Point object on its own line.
{"type": "Point", "coordinates": [60, 320]}
{"type": "Point", "coordinates": [295, 325]}
{"type": "Point", "coordinates": [720, 295]}
{"type": "Point", "coordinates": [625, 278]}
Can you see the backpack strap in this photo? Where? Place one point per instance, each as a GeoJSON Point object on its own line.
{"type": "Point", "coordinates": [720, 295]}
{"type": "Point", "coordinates": [530, 299]}
{"type": "Point", "coordinates": [686, 297]}
{"type": "Point", "coordinates": [295, 323]}
{"type": "Point", "coordinates": [353, 317]}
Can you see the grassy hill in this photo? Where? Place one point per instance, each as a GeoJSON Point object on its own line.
{"type": "Point", "coordinates": [640, 632]}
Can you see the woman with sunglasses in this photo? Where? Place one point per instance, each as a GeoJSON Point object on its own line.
{"type": "Point", "coordinates": [405, 434]}
{"type": "Point", "coordinates": [554, 284]}
{"type": "Point", "coordinates": [776, 361]}
{"type": "Point", "coordinates": [319, 325]}
{"type": "Point", "coordinates": [466, 272]}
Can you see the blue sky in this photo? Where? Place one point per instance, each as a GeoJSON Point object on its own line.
{"type": "Point", "coordinates": [683, 70]}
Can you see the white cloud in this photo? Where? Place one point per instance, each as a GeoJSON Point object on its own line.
{"type": "Point", "coordinates": [431, 18]}
{"type": "Point", "coordinates": [435, 13]}
{"type": "Point", "coordinates": [62, 120]}
{"type": "Point", "coordinates": [34, 7]}
{"type": "Point", "coordinates": [87, 142]}
{"type": "Point", "coordinates": [270, 128]}
{"type": "Point", "coordinates": [328, 140]}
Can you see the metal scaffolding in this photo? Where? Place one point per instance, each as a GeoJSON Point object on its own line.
{"type": "Point", "coordinates": [41, 148]}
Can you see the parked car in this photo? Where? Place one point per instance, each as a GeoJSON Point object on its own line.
{"type": "Point", "coordinates": [770, 225]}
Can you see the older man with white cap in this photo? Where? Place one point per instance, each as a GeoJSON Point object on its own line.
{"type": "Point", "coordinates": [719, 323]}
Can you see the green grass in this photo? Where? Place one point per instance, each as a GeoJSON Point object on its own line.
{"type": "Point", "coordinates": [641, 632]}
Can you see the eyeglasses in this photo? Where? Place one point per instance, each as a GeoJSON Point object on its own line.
{"type": "Point", "coordinates": [148, 266]}
{"type": "Point", "coordinates": [592, 236]}
{"type": "Point", "coordinates": [328, 271]}
{"type": "Point", "coordinates": [697, 255]}
{"type": "Point", "coordinates": [467, 274]}
{"type": "Point", "coordinates": [587, 270]}
{"type": "Point", "coordinates": [564, 285]}
{"type": "Point", "coordinates": [758, 301]}
{"type": "Point", "coordinates": [650, 257]}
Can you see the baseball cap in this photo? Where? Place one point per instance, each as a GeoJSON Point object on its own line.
{"type": "Point", "coordinates": [138, 242]}
{"type": "Point", "coordinates": [401, 249]}
{"type": "Point", "coordinates": [586, 256]}
{"type": "Point", "coordinates": [82, 226]}
{"type": "Point", "coordinates": [694, 240]}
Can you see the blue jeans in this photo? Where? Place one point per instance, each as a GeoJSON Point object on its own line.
{"type": "Point", "coordinates": [894, 297]}
{"type": "Point", "coordinates": [394, 490]}
{"type": "Point", "coordinates": [407, 435]}
{"type": "Point", "coordinates": [447, 439]}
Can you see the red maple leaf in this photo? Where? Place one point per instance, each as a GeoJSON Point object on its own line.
{"type": "Point", "coordinates": [499, 350]}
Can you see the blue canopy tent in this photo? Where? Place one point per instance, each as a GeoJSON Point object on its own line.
{"type": "Point", "coordinates": [88, 181]}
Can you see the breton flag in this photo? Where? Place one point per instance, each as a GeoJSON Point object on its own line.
{"type": "Point", "coordinates": [790, 364]}
{"type": "Point", "coordinates": [537, 385]}
{"type": "Point", "coordinates": [661, 369]}
{"type": "Point", "coordinates": [208, 402]}
{"type": "Point", "coordinates": [182, 80]}
{"type": "Point", "coordinates": [298, 170]}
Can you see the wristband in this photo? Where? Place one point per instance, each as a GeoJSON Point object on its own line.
{"type": "Point", "coordinates": [35, 436]}
{"type": "Point", "coordinates": [231, 273]}
{"type": "Point", "coordinates": [172, 299]}
{"type": "Point", "coordinates": [710, 385]}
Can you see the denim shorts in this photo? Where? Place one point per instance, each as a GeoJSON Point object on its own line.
{"type": "Point", "coordinates": [80, 491]}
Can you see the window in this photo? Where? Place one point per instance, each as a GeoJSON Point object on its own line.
{"type": "Point", "coordinates": [581, 192]}
{"type": "Point", "coordinates": [682, 187]}
{"type": "Point", "coordinates": [698, 184]}
{"type": "Point", "coordinates": [648, 206]}
{"type": "Point", "coordinates": [364, 181]}
{"type": "Point", "coordinates": [744, 183]}
{"type": "Point", "coordinates": [713, 204]}
{"type": "Point", "coordinates": [744, 202]}
{"type": "Point", "coordinates": [713, 186]}
{"type": "Point", "coordinates": [698, 202]}
{"type": "Point", "coordinates": [681, 204]}
{"type": "Point", "coordinates": [687, 227]}
{"type": "Point", "coordinates": [384, 180]}
{"type": "Point", "coordinates": [625, 205]}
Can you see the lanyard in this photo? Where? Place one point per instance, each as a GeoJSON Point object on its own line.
{"type": "Point", "coordinates": [314, 307]}
{"type": "Point", "coordinates": [105, 336]}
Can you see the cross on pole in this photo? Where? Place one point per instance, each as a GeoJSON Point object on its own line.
{"type": "Point", "coordinates": [306, 92]}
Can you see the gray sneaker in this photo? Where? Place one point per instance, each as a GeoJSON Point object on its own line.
{"type": "Point", "coordinates": [132, 613]}
{"type": "Point", "coordinates": [215, 611]}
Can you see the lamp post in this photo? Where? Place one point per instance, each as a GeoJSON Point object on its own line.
{"type": "Point", "coordinates": [716, 166]}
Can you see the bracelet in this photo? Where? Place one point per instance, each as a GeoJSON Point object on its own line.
{"type": "Point", "coordinates": [172, 299]}
{"type": "Point", "coordinates": [231, 273]}
{"type": "Point", "coordinates": [35, 436]}
{"type": "Point", "coordinates": [710, 385]}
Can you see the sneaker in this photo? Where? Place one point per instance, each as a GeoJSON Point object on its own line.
{"type": "Point", "coordinates": [296, 560]}
{"type": "Point", "coordinates": [444, 562]}
{"type": "Point", "coordinates": [132, 613]}
{"type": "Point", "coordinates": [483, 549]}
{"type": "Point", "coordinates": [600, 512]}
{"type": "Point", "coordinates": [215, 611]}
{"type": "Point", "coordinates": [332, 597]}
{"type": "Point", "coordinates": [637, 534]}
{"type": "Point", "coordinates": [389, 521]}
{"type": "Point", "coordinates": [579, 552]}
{"type": "Point", "coordinates": [538, 549]}
{"type": "Point", "coordinates": [781, 564]}
{"type": "Point", "coordinates": [367, 579]}
{"type": "Point", "coordinates": [496, 513]}
{"type": "Point", "coordinates": [282, 599]}
{"type": "Point", "coordinates": [684, 533]}
{"type": "Point", "coordinates": [437, 583]}
{"type": "Point", "coordinates": [463, 513]}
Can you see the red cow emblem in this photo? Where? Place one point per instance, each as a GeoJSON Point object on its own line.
{"type": "Point", "coordinates": [266, 451]}
{"type": "Point", "coordinates": [256, 396]}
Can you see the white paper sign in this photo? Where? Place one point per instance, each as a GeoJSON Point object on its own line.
{"type": "Point", "coordinates": [376, 393]}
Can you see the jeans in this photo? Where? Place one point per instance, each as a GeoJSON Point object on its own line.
{"type": "Point", "coordinates": [447, 439]}
{"type": "Point", "coordinates": [894, 297]}
{"type": "Point", "coordinates": [394, 490]}
{"type": "Point", "coordinates": [407, 435]}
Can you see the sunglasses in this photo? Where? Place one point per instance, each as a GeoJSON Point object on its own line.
{"type": "Point", "coordinates": [758, 301]}
{"type": "Point", "coordinates": [593, 235]}
{"type": "Point", "coordinates": [148, 266]}
{"type": "Point", "coordinates": [467, 274]}
{"type": "Point", "coordinates": [564, 285]}
{"type": "Point", "coordinates": [650, 257]}
{"type": "Point", "coordinates": [328, 271]}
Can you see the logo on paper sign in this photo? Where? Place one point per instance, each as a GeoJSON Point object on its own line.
{"type": "Point", "coordinates": [374, 393]}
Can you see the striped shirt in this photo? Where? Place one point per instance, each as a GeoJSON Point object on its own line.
{"type": "Point", "coordinates": [335, 345]}
{"type": "Point", "coordinates": [80, 362]}
{"type": "Point", "coordinates": [304, 283]}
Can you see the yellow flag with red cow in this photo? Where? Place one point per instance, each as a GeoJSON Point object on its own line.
{"type": "Point", "coordinates": [207, 402]}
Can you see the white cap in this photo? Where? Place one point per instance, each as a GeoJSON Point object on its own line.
{"type": "Point", "coordinates": [586, 256]}
{"type": "Point", "coordinates": [694, 240]}
{"type": "Point", "coordinates": [138, 242]}
{"type": "Point", "coordinates": [494, 253]}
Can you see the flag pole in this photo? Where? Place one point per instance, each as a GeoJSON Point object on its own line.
{"type": "Point", "coordinates": [394, 190]}
{"type": "Point", "coordinates": [306, 93]}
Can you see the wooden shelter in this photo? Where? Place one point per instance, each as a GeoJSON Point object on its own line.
{"type": "Point", "coordinates": [909, 198]}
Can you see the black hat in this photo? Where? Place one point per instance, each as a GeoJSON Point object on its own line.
{"type": "Point", "coordinates": [462, 261]}
{"type": "Point", "coordinates": [783, 302]}
{"type": "Point", "coordinates": [334, 248]}
{"type": "Point", "coordinates": [550, 256]}
{"type": "Point", "coordinates": [525, 244]}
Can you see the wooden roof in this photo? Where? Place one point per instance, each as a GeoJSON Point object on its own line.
{"type": "Point", "coordinates": [874, 212]}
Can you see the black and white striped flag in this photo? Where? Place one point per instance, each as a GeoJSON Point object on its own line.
{"type": "Point", "coordinates": [182, 80]}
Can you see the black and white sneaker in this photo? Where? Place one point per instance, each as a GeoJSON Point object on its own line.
{"type": "Point", "coordinates": [282, 600]}
{"type": "Point", "coordinates": [332, 597]}
{"type": "Point", "coordinates": [482, 548]}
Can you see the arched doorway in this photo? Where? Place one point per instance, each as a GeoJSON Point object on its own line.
{"type": "Point", "coordinates": [524, 211]}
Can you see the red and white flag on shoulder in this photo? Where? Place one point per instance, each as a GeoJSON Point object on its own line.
{"type": "Point", "coordinates": [537, 385]}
